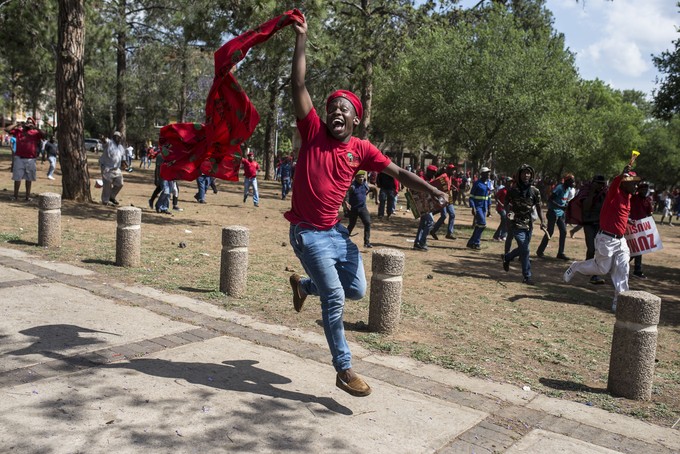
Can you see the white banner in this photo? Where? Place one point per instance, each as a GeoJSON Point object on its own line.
{"type": "Point", "coordinates": [643, 237]}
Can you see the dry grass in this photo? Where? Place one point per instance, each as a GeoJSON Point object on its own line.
{"type": "Point", "coordinates": [460, 310]}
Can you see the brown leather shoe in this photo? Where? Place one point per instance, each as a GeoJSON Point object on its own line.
{"type": "Point", "coordinates": [298, 299]}
{"type": "Point", "coordinates": [356, 386]}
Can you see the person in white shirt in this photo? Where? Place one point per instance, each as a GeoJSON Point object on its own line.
{"type": "Point", "coordinates": [110, 162]}
{"type": "Point", "coordinates": [130, 154]}
{"type": "Point", "coordinates": [667, 204]}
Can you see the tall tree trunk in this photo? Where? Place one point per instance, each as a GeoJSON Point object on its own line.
{"type": "Point", "coordinates": [14, 85]}
{"type": "Point", "coordinates": [182, 108]}
{"type": "Point", "coordinates": [270, 131]}
{"type": "Point", "coordinates": [366, 99]}
{"type": "Point", "coordinates": [121, 68]}
{"type": "Point", "coordinates": [70, 82]}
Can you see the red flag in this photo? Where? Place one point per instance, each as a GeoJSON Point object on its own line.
{"type": "Point", "coordinates": [214, 148]}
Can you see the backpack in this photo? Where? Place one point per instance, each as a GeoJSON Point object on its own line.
{"type": "Point", "coordinates": [574, 211]}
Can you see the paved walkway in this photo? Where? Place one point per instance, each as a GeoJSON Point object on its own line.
{"type": "Point", "coordinates": [89, 365]}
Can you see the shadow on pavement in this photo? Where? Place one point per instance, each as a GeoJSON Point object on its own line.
{"type": "Point", "coordinates": [237, 375]}
{"type": "Point", "coordinates": [52, 338]}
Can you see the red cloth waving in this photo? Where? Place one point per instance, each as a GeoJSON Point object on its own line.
{"type": "Point", "coordinates": [214, 148]}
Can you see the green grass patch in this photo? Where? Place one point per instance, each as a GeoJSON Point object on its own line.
{"type": "Point", "coordinates": [7, 237]}
{"type": "Point", "coordinates": [377, 342]}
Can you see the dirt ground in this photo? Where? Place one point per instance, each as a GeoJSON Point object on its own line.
{"type": "Point", "coordinates": [460, 309]}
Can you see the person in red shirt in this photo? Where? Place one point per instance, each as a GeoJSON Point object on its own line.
{"type": "Point", "coordinates": [28, 139]}
{"type": "Point", "coordinates": [329, 158]}
{"type": "Point", "coordinates": [641, 206]}
{"type": "Point", "coordinates": [501, 233]}
{"type": "Point", "coordinates": [250, 168]}
{"type": "Point", "coordinates": [449, 209]}
{"type": "Point", "coordinates": [611, 250]}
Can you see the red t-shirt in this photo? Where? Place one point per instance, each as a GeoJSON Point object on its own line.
{"type": "Point", "coordinates": [28, 142]}
{"type": "Point", "coordinates": [615, 210]}
{"type": "Point", "coordinates": [324, 171]}
{"type": "Point", "coordinates": [500, 198]}
{"type": "Point", "coordinates": [250, 168]}
{"type": "Point", "coordinates": [640, 207]}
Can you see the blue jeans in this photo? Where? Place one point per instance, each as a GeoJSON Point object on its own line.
{"type": "Point", "coordinates": [387, 197]}
{"type": "Point", "coordinates": [247, 183]}
{"type": "Point", "coordinates": [502, 230]}
{"type": "Point", "coordinates": [203, 183]}
{"type": "Point", "coordinates": [53, 165]}
{"type": "Point", "coordinates": [336, 271]}
{"type": "Point", "coordinates": [163, 202]}
{"type": "Point", "coordinates": [523, 238]}
{"type": "Point", "coordinates": [424, 227]}
{"type": "Point", "coordinates": [561, 226]}
{"type": "Point", "coordinates": [285, 187]}
{"type": "Point", "coordinates": [480, 225]}
{"type": "Point", "coordinates": [448, 209]}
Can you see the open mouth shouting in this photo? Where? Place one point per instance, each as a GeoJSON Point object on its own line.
{"type": "Point", "coordinates": [338, 125]}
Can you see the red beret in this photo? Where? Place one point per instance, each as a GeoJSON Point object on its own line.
{"type": "Point", "coordinates": [432, 167]}
{"type": "Point", "coordinates": [450, 166]}
{"type": "Point", "coordinates": [349, 96]}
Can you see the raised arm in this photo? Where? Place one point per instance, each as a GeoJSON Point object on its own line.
{"type": "Point", "coordinates": [302, 102]}
{"type": "Point", "coordinates": [413, 181]}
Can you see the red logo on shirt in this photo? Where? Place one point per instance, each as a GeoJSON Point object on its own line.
{"type": "Point", "coordinates": [350, 160]}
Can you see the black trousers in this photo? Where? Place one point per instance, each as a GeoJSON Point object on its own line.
{"type": "Point", "coordinates": [362, 213]}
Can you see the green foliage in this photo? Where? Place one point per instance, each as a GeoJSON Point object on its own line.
{"type": "Point", "coordinates": [493, 84]}
{"type": "Point", "coordinates": [27, 53]}
{"type": "Point", "coordinates": [659, 161]}
{"type": "Point", "coordinates": [667, 98]}
{"type": "Point", "coordinates": [485, 88]}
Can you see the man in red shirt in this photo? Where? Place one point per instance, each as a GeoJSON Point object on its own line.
{"type": "Point", "coordinates": [611, 250]}
{"type": "Point", "coordinates": [28, 139]}
{"type": "Point", "coordinates": [329, 158]}
{"type": "Point", "coordinates": [501, 233]}
{"type": "Point", "coordinates": [250, 168]}
{"type": "Point", "coordinates": [641, 206]}
{"type": "Point", "coordinates": [449, 209]}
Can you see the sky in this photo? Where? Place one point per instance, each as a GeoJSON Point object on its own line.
{"type": "Point", "coordinates": [614, 40]}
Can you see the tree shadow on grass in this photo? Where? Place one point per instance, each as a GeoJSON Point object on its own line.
{"type": "Point", "coordinates": [99, 262]}
{"type": "Point", "coordinates": [97, 211]}
{"type": "Point", "coordinates": [358, 326]}
{"type": "Point", "coordinates": [197, 290]}
{"type": "Point", "coordinates": [548, 273]}
{"type": "Point", "coordinates": [23, 242]}
{"type": "Point", "coordinates": [566, 385]}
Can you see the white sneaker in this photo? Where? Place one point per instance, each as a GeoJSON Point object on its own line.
{"type": "Point", "coordinates": [50, 177]}
{"type": "Point", "coordinates": [569, 274]}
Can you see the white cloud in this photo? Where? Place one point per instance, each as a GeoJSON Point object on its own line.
{"type": "Point", "coordinates": [630, 32]}
{"type": "Point", "coordinates": [624, 57]}
{"type": "Point", "coordinates": [615, 40]}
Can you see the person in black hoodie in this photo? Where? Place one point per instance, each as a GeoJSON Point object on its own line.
{"type": "Point", "coordinates": [355, 205]}
{"type": "Point", "coordinates": [521, 200]}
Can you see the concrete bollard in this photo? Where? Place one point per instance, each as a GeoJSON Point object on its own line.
{"type": "Point", "coordinates": [386, 284]}
{"type": "Point", "coordinates": [234, 263]}
{"type": "Point", "coordinates": [631, 366]}
{"type": "Point", "coordinates": [128, 236]}
{"type": "Point", "coordinates": [49, 220]}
